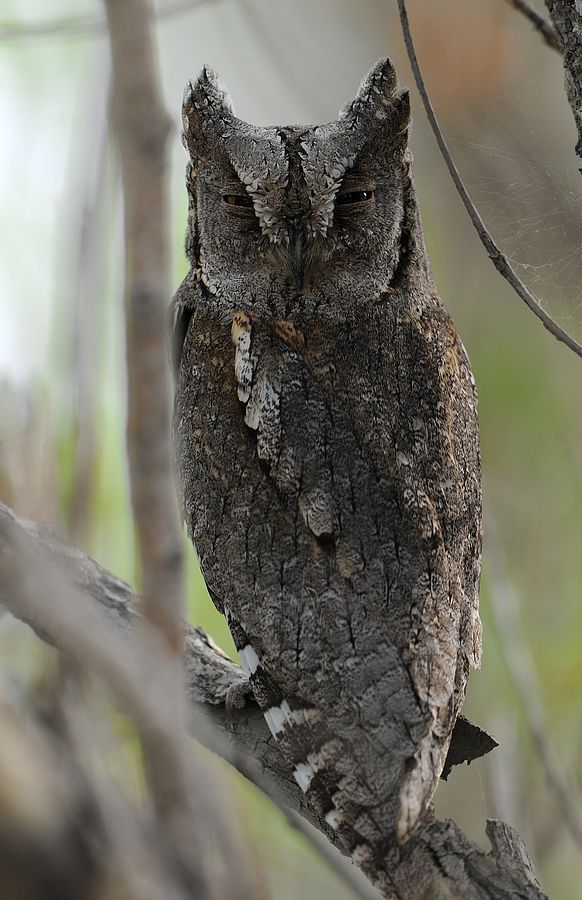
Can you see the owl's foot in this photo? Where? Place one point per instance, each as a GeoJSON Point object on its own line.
{"type": "Point", "coordinates": [236, 695]}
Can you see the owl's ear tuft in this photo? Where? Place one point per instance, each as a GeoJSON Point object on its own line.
{"type": "Point", "coordinates": [207, 103]}
{"type": "Point", "coordinates": [379, 111]}
{"type": "Point", "coordinates": [400, 113]}
{"type": "Point", "coordinates": [376, 92]}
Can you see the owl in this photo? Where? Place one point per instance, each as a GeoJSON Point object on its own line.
{"type": "Point", "coordinates": [327, 450]}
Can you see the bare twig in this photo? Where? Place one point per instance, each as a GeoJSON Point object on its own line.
{"type": "Point", "coordinates": [86, 26]}
{"type": "Point", "coordinates": [521, 667]}
{"type": "Point", "coordinates": [498, 258]}
{"type": "Point", "coordinates": [143, 126]}
{"type": "Point", "coordinates": [438, 861]}
{"type": "Point", "coordinates": [538, 21]}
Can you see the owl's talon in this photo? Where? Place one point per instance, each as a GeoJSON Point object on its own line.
{"type": "Point", "coordinates": [236, 695]}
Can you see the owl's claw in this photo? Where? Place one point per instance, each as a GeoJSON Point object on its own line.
{"type": "Point", "coordinates": [236, 695]}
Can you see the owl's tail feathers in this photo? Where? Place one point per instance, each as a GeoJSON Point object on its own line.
{"type": "Point", "coordinates": [323, 764]}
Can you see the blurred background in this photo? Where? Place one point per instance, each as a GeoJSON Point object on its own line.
{"type": "Point", "coordinates": [498, 91]}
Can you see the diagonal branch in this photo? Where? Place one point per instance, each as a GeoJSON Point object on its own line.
{"type": "Point", "coordinates": [539, 23]}
{"type": "Point", "coordinates": [438, 861]}
{"type": "Point", "coordinates": [496, 256]}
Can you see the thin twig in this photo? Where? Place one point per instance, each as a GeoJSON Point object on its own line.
{"type": "Point", "coordinates": [498, 258]}
{"type": "Point", "coordinates": [519, 661]}
{"type": "Point", "coordinates": [538, 21]}
{"type": "Point", "coordinates": [87, 26]}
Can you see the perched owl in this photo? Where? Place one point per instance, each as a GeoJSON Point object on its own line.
{"type": "Point", "coordinates": [327, 450]}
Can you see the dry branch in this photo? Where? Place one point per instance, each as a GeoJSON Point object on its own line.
{"type": "Point", "coordinates": [438, 861]}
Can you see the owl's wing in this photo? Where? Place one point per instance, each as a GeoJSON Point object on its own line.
{"type": "Point", "coordinates": [390, 512]}
{"type": "Point", "coordinates": [322, 561]}
{"type": "Point", "coordinates": [179, 314]}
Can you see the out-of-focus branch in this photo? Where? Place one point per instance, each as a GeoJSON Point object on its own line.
{"type": "Point", "coordinates": [567, 18]}
{"type": "Point", "coordinates": [438, 861]}
{"type": "Point", "coordinates": [68, 830]}
{"type": "Point", "coordinates": [86, 26]}
{"type": "Point", "coordinates": [498, 258]}
{"type": "Point", "coordinates": [31, 556]}
{"type": "Point", "coordinates": [43, 583]}
{"type": "Point", "coordinates": [142, 127]}
{"type": "Point", "coordinates": [520, 664]}
{"type": "Point", "coordinates": [87, 238]}
{"type": "Point", "coordinates": [539, 23]}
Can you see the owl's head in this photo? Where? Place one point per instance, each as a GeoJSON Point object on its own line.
{"type": "Point", "coordinates": [286, 220]}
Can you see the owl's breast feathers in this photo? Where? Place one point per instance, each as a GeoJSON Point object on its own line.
{"type": "Point", "coordinates": [330, 477]}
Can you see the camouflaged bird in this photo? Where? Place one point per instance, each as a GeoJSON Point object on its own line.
{"type": "Point", "coordinates": [328, 450]}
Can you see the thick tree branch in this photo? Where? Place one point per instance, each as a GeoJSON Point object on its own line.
{"type": "Point", "coordinates": [567, 18]}
{"type": "Point", "coordinates": [438, 861]}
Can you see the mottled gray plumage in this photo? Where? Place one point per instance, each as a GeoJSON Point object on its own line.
{"type": "Point", "coordinates": [327, 449]}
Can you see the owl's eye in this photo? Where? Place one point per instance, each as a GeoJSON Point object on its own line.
{"type": "Point", "coordinates": [241, 201]}
{"type": "Point", "coordinates": [352, 197]}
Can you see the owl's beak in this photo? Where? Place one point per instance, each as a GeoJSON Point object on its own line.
{"type": "Point", "coordinates": [297, 254]}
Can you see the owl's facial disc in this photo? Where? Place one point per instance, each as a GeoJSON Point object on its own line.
{"type": "Point", "coordinates": [276, 213]}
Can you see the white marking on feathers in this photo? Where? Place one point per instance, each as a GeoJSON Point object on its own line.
{"type": "Point", "coordinates": [243, 367]}
{"type": "Point", "coordinates": [304, 771]}
{"type": "Point", "coordinates": [277, 717]}
{"type": "Point", "coordinates": [280, 717]}
{"type": "Point", "coordinates": [249, 660]}
{"type": "Point", "coordinates": [333, 818]}
{"type": "Point", "coordinates": [265, 400]}
{"type": "Point", "coordinates": [360, 853]}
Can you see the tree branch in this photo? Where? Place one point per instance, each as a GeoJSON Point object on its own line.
{"type": "Point", "coordinates": [498, 258]}
{"type": "Point", "coordinates": [539, 23]}
{"type": "Point", "coordinates": [438, 861]}
{"type": "Point", "coordinates": [143, 127]}
{"type": "Point", "coordinates": [567, 18]}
